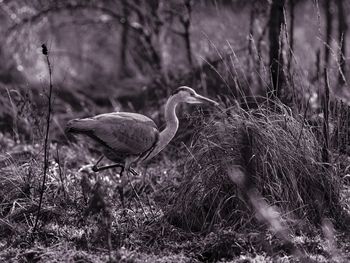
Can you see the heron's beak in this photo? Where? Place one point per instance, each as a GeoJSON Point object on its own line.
{"type": "Point", "coordinates": [202, 99]}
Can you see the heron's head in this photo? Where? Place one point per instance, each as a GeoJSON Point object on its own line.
{"type": "Point", "coordinates": [188, 95]}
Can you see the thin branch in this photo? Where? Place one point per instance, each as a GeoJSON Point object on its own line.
{"type": "Point", "coordinates": [177, 32]}
{"type": "Point", "coordinates": [135, 8]}
{"type": "Point", "coordinates": [75, 7]}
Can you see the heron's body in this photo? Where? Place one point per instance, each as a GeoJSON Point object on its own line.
{"type": "Point", "coordinates": [128, 138]}
{"type": "Point", "coordinates": [122, 135]}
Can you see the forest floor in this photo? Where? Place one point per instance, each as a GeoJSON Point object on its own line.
{"type": "Point", "coordinates": [82, 219]}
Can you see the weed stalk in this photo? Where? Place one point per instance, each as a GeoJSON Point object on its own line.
{"type": "Point", "coordinates": [46, 141]}
{"type": "Point", "coordinates": [325, 150]}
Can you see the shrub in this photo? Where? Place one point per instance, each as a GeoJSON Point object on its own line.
{"type": "Point", "coordinates": [267, 151]}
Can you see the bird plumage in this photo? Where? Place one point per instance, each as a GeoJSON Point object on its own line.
{"type": "Point", "coordinates": [122, 134]}
{"type": "Point", "coordinates": [132, 137]}
{"type": "Point", "coordinates": [128, 138]}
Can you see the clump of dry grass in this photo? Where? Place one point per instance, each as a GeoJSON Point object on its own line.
{"type": "Point", "coordinates": [240, 156]}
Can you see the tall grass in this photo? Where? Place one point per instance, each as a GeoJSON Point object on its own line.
{"type": "Point", "coordinates": [272, 153]}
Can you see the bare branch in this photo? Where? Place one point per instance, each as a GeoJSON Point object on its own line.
{"type": "Point", "coordinates": [75, 7]}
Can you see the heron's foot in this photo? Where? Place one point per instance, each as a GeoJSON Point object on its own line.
{"type": "Point", "coordinates": [133, 171]}
{"type": "Point", "coordinates": [88, 168]}
{"type": "Point", "coordinates": [94, 168]}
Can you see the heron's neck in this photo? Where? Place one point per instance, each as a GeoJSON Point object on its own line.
{"type": "Point", "coordinates": [172, 124]}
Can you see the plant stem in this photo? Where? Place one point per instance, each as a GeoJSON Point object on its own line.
{"type": "Point", "coordinates": [46, 152]}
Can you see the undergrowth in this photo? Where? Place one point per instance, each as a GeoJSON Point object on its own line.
{"type": "Point", "coordinates": [251, 183]}
{"type": "Point", "coordinates": [272, 152]}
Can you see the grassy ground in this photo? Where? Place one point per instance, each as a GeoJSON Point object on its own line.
{"type": "Point", "coordinates": [82, 217]}
{"type": "Point", "coordinates": [236, 185]}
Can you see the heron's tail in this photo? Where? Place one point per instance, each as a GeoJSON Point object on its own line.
{"type": "Point", "coordinates": [78, 126]}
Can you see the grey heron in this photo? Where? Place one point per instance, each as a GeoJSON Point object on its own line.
{"type": "Point", "coordinates": [129, 138]}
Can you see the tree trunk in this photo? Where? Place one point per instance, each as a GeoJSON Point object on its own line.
{"type": "Point", "coordinates": [342, 28]}
{"type": "Point", "coordinates": [146, 49]}
{"type": "Point", "coordinates": [276, 21]}
{"type": "Point", "coordinates": [124, 70]}
{"type": "Point", "coordinates": [291, 32]}
{"type": "Point", "coordinates": [329, 19]}
{"type": "Point", "coordinates": [250, 57]}
{"type": "Point", "coordinates": [187, 24]}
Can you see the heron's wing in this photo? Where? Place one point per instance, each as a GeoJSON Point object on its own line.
{"type": "Point", "coordinates": [128, 133]}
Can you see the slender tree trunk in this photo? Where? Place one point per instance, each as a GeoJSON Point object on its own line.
{"type": "Point", "coordinates": [276, 21]}
{"type": "Point", "coordinates": [187, 23]}
{"type": "Point", "coordinates": [291, 32]}
{"type": "Point", "coordinates": [259, 61]}
{"type": "Point", "coordinates": [146, 46]}
{"type": "Point", "coordinates": [329, 19]}
{"type": "Point", "coordinates": [152, 40]}
{"type": "Point", "coordinates": [342, 29]}
{"type": "Point", "coordinates": [124, 70]}
{"type": "Point", "coordinates": [250, 57]}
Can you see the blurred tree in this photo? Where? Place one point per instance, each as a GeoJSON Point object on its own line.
{"type": "Point", "coordinates": [84, 33]}
{"type": "Point", "coordinates": [186, 22]}
{"type": "Point", "coordinates": [276, 21]}
{"type": "Point", "coordinates": [124, 70]}
{"type": "Point", "coordinates": [181, 12]}
{"type": "Point", "coordinates": [329, 22]}
{"type": "Point", "coordinates": [147, 25]}
{"type": "Point", "coordinates": [139, 21]}
{"type": "Point", "coordinates": [257, 34]}
{"type": "Point", "coordinates": [291, 33]}
{"type": "Point", "coordinates": [261, 12]}
{"type": "Point", "coordinates": [342, 29]}
{"type": "Point", "coordinates": [250, 56]}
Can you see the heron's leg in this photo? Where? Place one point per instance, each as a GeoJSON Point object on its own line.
{"type": "Point", "coordinates": [133, 171]}
{"type": "Point", "coordinates": [98, 169]}
{"type": "Point", "coordinates": [95, 168]}
{"type": "Point", "coordinates": [121, 188]}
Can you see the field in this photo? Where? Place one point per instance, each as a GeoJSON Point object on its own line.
{"type": "Point", "coordinates": [256, 179]}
